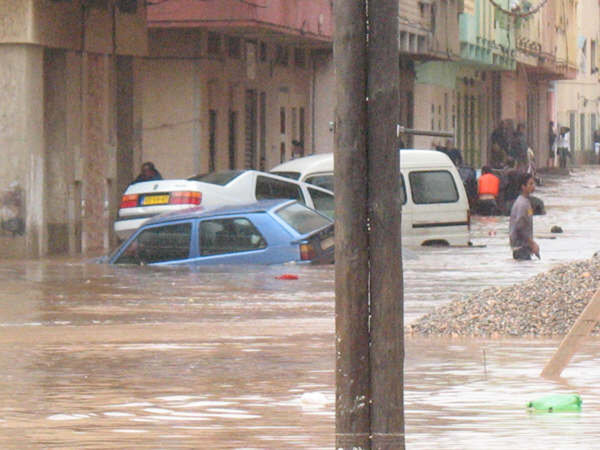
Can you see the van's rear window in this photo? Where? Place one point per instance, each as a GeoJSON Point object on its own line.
{"type": "Point", "coordinates": [433, 187]}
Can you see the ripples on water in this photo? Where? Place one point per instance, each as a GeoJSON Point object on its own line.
{"type": "Point", "coordinates": [104, 357]}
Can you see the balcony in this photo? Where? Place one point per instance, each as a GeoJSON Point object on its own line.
{"type": "Point", "coordinates": [305, 22]}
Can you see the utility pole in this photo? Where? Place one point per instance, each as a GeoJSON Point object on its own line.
{"type": "Point", "coordinates": [369, 283]}
{"type": "Point", "coordinates": [351, 224]}
{"type": "Point", "coordinates": [385, 246]}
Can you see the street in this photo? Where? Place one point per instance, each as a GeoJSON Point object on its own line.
{"type": "Point", "coordinates": [98, 356]}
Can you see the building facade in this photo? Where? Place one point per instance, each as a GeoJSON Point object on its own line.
{"type": "Point", "coordinates": [577, 101]}
{"type": "Point", "coordinates": [233, 85]}
{"type": "Point", "coordinates": [67, 122]}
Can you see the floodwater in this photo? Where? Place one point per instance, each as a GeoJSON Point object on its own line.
{"type": "Point", "coordinates": [95, 356]}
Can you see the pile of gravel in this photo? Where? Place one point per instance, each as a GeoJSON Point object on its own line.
{"type": "Point", "coordinates": [545, 305]}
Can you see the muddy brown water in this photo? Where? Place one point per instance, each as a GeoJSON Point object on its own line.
{"type": "Point", "coordinates": [95, 356]}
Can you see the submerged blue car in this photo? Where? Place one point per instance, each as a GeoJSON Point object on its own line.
{"type": "Point", "coordinates": [265, 232]}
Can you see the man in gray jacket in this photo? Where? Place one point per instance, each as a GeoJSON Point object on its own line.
{"type": "Point", "coordinates": [521, 221]}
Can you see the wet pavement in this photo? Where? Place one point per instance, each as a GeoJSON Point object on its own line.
{"type": "Point", "coordinates": [95, 356]}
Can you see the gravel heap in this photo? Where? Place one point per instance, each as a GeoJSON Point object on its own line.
{"type": "Point", "coordinates": [545, 305]}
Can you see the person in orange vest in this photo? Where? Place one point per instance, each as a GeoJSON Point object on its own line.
{"type": "Point", "coordinates": [488, 188]}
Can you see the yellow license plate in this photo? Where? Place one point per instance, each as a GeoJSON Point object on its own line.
{"type": "Point", "coordinates": [155, 200]}
{"type": "Point", "coordinates": [327, 243]}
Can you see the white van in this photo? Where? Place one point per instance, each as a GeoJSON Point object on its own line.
{"type": "Point", "coordinates": [435, 209]}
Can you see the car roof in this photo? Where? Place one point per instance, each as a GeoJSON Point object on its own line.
{"type": "Point", "coordinates": [420, 158]}
{"type": "Point", "coordinates": [200, 212]}
{"type": "Point", "coordinates": [324, 161]}
{"type": "Point", "coordinates": [320, 161]}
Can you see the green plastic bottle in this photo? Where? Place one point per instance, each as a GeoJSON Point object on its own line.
{"type": "Point", "coordinates": [556, 403]}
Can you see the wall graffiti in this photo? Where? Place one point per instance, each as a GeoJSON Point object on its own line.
{"type": "Point", "coordinates": [12, 211]}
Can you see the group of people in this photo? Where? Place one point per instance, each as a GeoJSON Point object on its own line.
{"type": "Point", "coordinates": [450, 149]}
{"type": "Point", "coordinates": [508, 144]}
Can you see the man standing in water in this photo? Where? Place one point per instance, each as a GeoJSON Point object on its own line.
{"type": "Point", "coordinates": [521, 221]}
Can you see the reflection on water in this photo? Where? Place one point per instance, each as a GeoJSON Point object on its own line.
{"type": "Point", "coordinates": [95, 356]}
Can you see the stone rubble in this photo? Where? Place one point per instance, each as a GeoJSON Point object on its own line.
{"type": "Point", "coordinates": [545, 305]}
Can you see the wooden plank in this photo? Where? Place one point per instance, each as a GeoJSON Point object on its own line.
{"type": "Point", "coordinates": [572, 342]}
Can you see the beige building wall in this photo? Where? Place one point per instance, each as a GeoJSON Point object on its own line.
{"type": "Point", "coordinates": [578, 100]}
{"type": "Point", "coordinates": [189, 91]}
{"type": "Point", "coordinates": [59, 123]}
{"type": "Point", "coordinates": [324, 103]}
{"type": "Point", "coordinates": [22, 147]}
{"type": "Point", "coordinates": [434, 109]}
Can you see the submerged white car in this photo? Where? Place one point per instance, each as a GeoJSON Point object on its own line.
{"type": "Point", "coordinates": [141, 201]}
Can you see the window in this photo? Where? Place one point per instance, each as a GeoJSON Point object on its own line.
{"type": "Point", "coordinates": [281, 55]}
{"type": "Point", "coordinates": [583, 56]}
{"type": "Point", "coordinates": [323, 180]}
{"type": "Point", "coordinates": [433, 187]}
{"type": "Point", "coordinates": [271, 188]}
{"type": "Point", "coordinates": [262, 52]}
{"type": "Point", "coordinates": [212, 140]}
{"type": "Point", "coordinates": [302, 219]}
{"type": "Point", "coordinates": [234, 45]}
{"type": "Point", "coordinates": [299, 57]}
{"type": "Point", "coordinates": [593, 67]}
{"type": "Point", "coordinates": [582, 133]}
{"type": "Point", "coordinates": [232, 139]}
{"type": "Point", "coordinates": [282, 120]}
{"type": "Point", "coordinates": [214, 43]}
{"type": "Point", "coordinates": [159, 244]}
{"type": "Point", "coordinates": [294, 123]}
{"type": "Point", "coordinates": [323, 202]}
{"type": "Point", "coordinates": [233, 235]}
{"type": "Point", "coordinates": [291, 175]}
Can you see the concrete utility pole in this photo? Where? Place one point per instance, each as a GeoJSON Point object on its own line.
{"type": "Point", "coordinates": [369, 284]}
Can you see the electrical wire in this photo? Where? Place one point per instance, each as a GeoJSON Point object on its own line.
{"type": "Point", "coordinates": [519, 14]}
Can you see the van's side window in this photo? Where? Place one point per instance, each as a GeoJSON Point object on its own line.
{"type": "Point", "coordinates": [433, 187]}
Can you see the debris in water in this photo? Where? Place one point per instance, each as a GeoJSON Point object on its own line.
{"type": "Point", "coordinates": [287, 276]}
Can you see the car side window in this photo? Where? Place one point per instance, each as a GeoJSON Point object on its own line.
{"type": "Point", "coordinates": [159, 244]}
{"type": "Point", "coordinates": [233, 235]}
{"type": "Point", "coordinates": [323, 202]}
{"type": "Point", "coordinates": [436, 186]}
{"type": "Point", "coordinates": [267, 188]}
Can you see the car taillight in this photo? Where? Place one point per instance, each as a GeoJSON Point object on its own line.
{"type": "Point", "coordinates": [129, 201]}
{"type": "Point", "coordinates": [185, 198]}
{"type": "Point", "coordinates": [469, 219]}
{"type": "Point", "coordinates": [307, 252]}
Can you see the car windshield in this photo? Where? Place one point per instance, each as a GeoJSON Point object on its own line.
{"type": "Point", "coordinates": [220, 178]}
{"type": "Point", "coordinates": [302, 219]}
{"type": "Point", "coordinates": [292, 175]}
